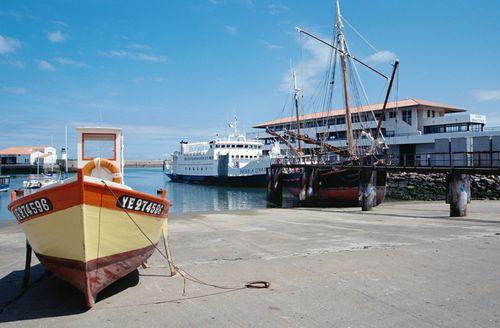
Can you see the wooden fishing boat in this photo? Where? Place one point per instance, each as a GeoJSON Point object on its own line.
{"type": "Point", "coordinates": [92, 229]}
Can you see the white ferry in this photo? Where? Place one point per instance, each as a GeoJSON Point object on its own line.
{"type": "Point", "coordinates": [232, 161]}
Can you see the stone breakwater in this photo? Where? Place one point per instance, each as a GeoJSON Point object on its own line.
{"type": "Point", "coordinates": [414, 186]}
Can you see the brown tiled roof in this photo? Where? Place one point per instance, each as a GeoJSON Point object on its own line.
{"type": "Point", "coordinates": [25, 150]}
{"type": "Point", "coordinates": [391, 105]}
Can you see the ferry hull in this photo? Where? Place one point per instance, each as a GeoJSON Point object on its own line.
{"type": "Point", "coordinates": [81, 233]}
{"type": "Point", "coordinates": [254, 181]}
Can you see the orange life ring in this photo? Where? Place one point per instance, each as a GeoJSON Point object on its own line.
{"type": "Point", "coordinates": [104, 163]}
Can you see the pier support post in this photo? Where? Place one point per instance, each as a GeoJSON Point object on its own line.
{"type": "Point", "coordinates": [367, 191]}
{"type": "Point", "coordinates": [458, 193]}
{"type": "Point", "coordinates": [309, 186]}
{"type": "Point", "coordinates": [275, 186]}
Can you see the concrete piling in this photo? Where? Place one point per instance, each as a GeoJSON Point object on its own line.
{"type": "Point", "coordinates": [458, 193]}
{"type": "Point", "coordinates": [367, 191]}
{"type": "Point", "coordinates": [275, 186]}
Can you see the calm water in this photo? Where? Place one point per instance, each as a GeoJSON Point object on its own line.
{"type": "Point", "coordinates": [186, 198]}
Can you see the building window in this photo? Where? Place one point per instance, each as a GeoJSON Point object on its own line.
{"type": "Point", "coordinates": [406, 115]}
{"type": "Point", "coordinates": [476, 127]}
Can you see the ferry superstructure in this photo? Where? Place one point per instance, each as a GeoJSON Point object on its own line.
{"type": "Point", "coordinates": [232, 161]}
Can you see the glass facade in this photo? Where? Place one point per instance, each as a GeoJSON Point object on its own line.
{"type": "Point", "coordinates": [455, 127]}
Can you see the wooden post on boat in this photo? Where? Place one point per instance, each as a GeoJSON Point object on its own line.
{"type": "Point", "coordinates": [27, 262]}
{"type": "Point", "coordinates": [458, 193]}
{"type": "Point", "coordinates": [27, 266]}
{"type": "Point", "coordinates": [275, 186]}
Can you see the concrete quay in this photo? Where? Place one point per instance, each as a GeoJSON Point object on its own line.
{"type": "Point", "coordinates": [404, 264]}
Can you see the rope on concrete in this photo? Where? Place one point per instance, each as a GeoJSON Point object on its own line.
{"type": "Point", "coordinates": [175, 269]}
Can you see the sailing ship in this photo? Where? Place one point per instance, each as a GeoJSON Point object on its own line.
{"type": "Point", "coordinates": [341, 185]}
{"type": "Point", "coordinates": [231, 161]}
{"type": "Point", "coordinates": [92, 229]}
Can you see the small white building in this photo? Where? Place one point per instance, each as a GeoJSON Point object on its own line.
{"type": "Point", "coordinates": [28, 155]}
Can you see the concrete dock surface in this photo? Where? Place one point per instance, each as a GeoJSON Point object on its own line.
{"type": "Point", "coordinates": [404, 264]}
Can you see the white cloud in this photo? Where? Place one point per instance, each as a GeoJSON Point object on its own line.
{"type": "Point", "coordinates": [314, 63]}
{"type": "Point", "coordinates": [231, 29]}
{"type": "Point", "coordinates": [275, 9]}
{"type": "Point", "coordinates": [45, 66]}
{"type": "Point", "coordinates": [70, 62]}
{"type": "Point", "coordinates": [152, 58]}
{"type": "Point", "coordinates": [56, 36]}
{"type": "Point", "coordinates": [14, 90]}
{"type": "Point", "coordinates": [270, 45]}
{"type": "Point", "coordinates": [486, 95]}
{"type": "Point", "coordinates": [381, 57]}
{"type": "Point", "coordinates": [17, 15]}
{"type": "Point", "coordinates": [8, 45]}
{"type": "Point", "coordinates": [16, 63]}
{"type": "Point", "coordinates": [139, 46]}
{"type": "Point", "coordinates": [134, 55]}
{"type": "Point", "coordinates": [60, 23]}
{"type": "Point", "coordinates": [158, 79]}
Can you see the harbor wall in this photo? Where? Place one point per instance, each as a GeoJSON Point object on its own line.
{"type": "Point", "coordinates": [414, 186]}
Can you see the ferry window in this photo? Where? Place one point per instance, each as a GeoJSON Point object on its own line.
{"type": "Point", "coordinates": [428, 113]}
{"type": "Point", "coordinates": [246, 156]}
{"type": "Point", "coordinates": [392, 114]}
{"type": "Point", "coordinates": [355, 118]}
{"type": "Point", "coordinates": [101, 145]}
{"type": "Point", "coordinates": [239, 146]}
{"type": "Point", "coordinates": [407, 116]}
{"type": "Point", "coordinates": [433, 113]}
{"type": "Point", "coordinates": [246, 146]}
{"type": "Point", "coordinates": [237, 156]}
{"type": "Point", "coordinates": [340, 120]}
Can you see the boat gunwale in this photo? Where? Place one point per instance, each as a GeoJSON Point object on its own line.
{"type": "Point", "coordinates": [81, 181]}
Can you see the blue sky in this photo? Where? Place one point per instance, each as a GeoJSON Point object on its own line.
{"type": "Point", "coordinates": [166, 71]}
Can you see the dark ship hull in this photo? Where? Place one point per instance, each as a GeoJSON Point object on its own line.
{"type": "Point", "coordinates": [338, 188]}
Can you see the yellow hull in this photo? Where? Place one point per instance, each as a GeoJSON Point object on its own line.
{"type": "Point", "coordinates": [91, 233]}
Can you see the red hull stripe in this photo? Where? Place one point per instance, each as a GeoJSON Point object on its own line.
{"type": "Point", "coordinates": [95, 263]}
{"type": "Point", "coordinates": [95, 275]}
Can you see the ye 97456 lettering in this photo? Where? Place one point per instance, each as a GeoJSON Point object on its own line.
{"type": "Point", "coordinates": [140, 205]}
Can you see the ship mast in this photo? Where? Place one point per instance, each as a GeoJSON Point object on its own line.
{"type": "Point", "coordinates": [351, 147]}
{"type": "Point", "coordinates": [296, 91]}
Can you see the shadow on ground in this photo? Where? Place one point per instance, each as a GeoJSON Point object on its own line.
{"type": "Point", "coordinates": [48, 296]}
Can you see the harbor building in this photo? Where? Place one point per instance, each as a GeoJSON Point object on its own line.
{"type": "Point", "coordinates": [28, 155]}
{"type": "Point", "coordinates": [410, 126]}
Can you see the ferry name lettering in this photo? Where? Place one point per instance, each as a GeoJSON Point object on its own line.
{"type": "Point", "coordinates": [32, 208]}
{"type": "Point", "coordinates": [256, 170]}
{"type": "Point", "coordinates": [139, 204]}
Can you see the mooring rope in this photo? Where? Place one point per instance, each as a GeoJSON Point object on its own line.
{"type": "Point", "coordinates": [185, 275]}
